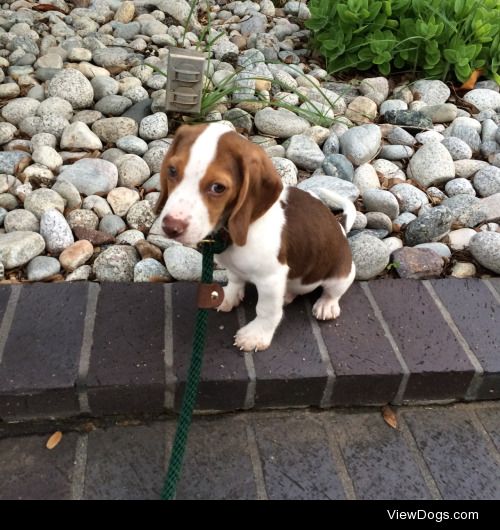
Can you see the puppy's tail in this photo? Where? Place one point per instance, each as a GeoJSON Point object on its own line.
{"type": "Point", "coordinates": [338, 202]}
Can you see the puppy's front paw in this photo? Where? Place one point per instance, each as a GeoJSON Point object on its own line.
{"type": "Point", "coordinates": [326, 309]}
{"type": "Point", "coordinates": [253, 337]}
{"type": "Point", "coordinates": [232, 299]}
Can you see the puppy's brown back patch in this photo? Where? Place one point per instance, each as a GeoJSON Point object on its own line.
{"type": "Point", "coordinates": [313, 244]}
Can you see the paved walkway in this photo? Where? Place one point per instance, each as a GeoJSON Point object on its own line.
{"type": "Point", "coordinates": [436, 453]}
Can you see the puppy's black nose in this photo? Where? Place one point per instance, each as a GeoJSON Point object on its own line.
{"type": "Point", "coordinates": [173, 227]}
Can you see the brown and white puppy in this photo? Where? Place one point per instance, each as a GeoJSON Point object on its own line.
{"type": "Point", "coordinates": [285, 241]}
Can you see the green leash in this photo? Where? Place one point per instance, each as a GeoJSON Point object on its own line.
{"type": "Point", "coordinates": [209, 248]}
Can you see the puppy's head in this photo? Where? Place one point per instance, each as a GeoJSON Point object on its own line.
{"type": "Point", "coordinates": [211, 177]}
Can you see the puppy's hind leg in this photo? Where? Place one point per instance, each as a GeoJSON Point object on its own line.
{"type": "Point", "coordinates": [327, 306]}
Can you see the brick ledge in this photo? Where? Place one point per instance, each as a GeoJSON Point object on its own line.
{"type": "Point", "coordinates": [84, 348]}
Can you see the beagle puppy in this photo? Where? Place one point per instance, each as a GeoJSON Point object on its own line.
{"type": "Point", "coordinates": [283, 240]}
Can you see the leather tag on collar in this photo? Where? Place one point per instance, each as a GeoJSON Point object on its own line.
{"type": "Point", "coordinates": [210, 295]}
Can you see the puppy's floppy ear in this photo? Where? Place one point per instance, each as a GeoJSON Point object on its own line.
{"type": "Point", "coordinates": [259, 189]}
{"type": "Point", "coordinates": [162, 199]}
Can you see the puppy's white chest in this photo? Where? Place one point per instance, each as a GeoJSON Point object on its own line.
{"type": "Point", "coordinates": [259, 256]}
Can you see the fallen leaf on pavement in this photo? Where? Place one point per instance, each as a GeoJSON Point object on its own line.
{"type": "Point", "coordinates": [390, 417]}
{"type": "Point", "coordinates": [54, 440]}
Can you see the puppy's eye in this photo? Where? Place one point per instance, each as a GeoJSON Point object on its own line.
{"type": "Point", "coordinates": [172, 171]}
{"type": "Point", "coordinates": [217, 188]}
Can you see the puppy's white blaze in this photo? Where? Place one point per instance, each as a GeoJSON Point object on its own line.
{"type": "Point", "coordinates": [186, 202]}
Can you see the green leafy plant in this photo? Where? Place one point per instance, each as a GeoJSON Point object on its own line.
{"type": "Point", "coordinates": [436, 37]}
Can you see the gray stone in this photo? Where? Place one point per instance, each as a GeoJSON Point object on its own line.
{"type": "Point", "coordinates": [487, 181]}
{"type": "Point", "coordinates": [110, 130]}
{"type": "Point", "coordinates": [392, 104]}
{"type": "Point", "coordinates": [154, 127]}
{"type": "Point", "coordinates": [396, 152]}
{"type": "Point", "coordinates": [48, 157]}
{"type": "Point", "coordinates": [369, 254]}
{"type": "Point", "coordinates": [463, 270]}
{"type": "Point", "coordinates": [154, 157]}
{"type": "Point", "coordinates": [378, 221]}
{"type": "Point", "coordinates": [360, 221]}
{"type": "Point", "coordinates": [113, 105]}
{"type": "Point", "coordinates": [459, 239]}
{"type": "Point", "coordinates": [490, 207]}
{"type": "Point", "coordinates": [18, 109]}
{"type": "Point", "coordinates": [459, 186]}
{"type": "Point", "coordinates": [141, 216]}
{"type": "Point", "coordinates": [418, 263]}
{"type": "Point", "coordinates": [83, 219]}
{"type": "Point", "coordinates": [20, 220]}
{"type": "Point", "coordinates": [457, 148]}
{"type": "Point", "coordinates": [483, 98]}
{"type": "Point", "coordinates": [304, 152]}
{"type": "Point", "coordinates": [42, 267]}
{"type": "Point", "coordinates": [7, 132]}
{"type": "Point", "coordinates": [366, 178]}
{"type": "Point", "coordinates": [439, 248]}
{"type": "Point", "coordinates": [129, 237]}
{"type": "Point", "coordinates": [41, 139]}
{"type": "Point", "coordinates": [91, 176]}
{"type": "Point", "coordinates": [342, 187]}
{"type": "Point", "coordinates": [8, 201]}
{"type": "Point", "coordinates": [78, 136]}
{"type": "Point", "coordinates": [121, 199]}
{"type": "Point", "coordinates": [132, 144]}
{"type": "Point", "coordinates": [425, 137]}
{"type": "Point", "coordinates": [48, 123]}
{"type": "Point", "coordinates": [467, 168]}
{"type": "Point", "coordinates": [149, 269]}
{"type": "Point", "coordinates": [116, 264]}
{"type": "Point", "coordinates": [280, 123]}
{"type": "Point", "coordinates": [183, 263]}
{"type": "Point", "coordinates": [403, 219]}
{"type": "Point", "coordinates": [257, 23]}
{"type": "Point", "coordinates": [55, 105]}
{"type": "Point", "coordinates": [73, 86]}
{"type": "Point", "coordinates": [115, 59]}
{"type": "Point", "coordinates": [104, 86]}
{"type": "Point", "coordinates": [298, 9]}
{"type": "Point", "coordinates": [485, 247]}
{"type": "Point", "coordinates": [13, 162]}
{"type": "Point", "coordinates": [410, 198]}
{"type": "Point", "coordinates": [467, 134]}
{"type": "Point", "coordinates": [431, 92]}
{"type": "Point", "coordinates": [18, 248]}
{"type": "Point", "coordinates": [112, 224]}
{"type": "Point", "coordinates": [431, 165]}
{"type": "Point", "coordinates": [375, 88]}
{"type": "Point", "coordinates": [361, 144]}
{"type": "Point", "coordinates": [443, 113]}
{"type": "Point", "coordinates": [43, 199]}
{"type": "Point", "coordinates": [431, 226]}
{"type": "Point", "coordinates": [376, 200]}
{"type": "Point", "coordinates": [56, 231]}
{"type": "Point", "coordinates": [338, 166]}
{"type": "Point", "coordinates": [132, 171]}
{"type": "Point", "coordinates": [331, 145]}
{"type": "Point", "coordinates": [409, 118]}
{"type": "Point", "coordinates": [399, 136]}
{"type": "Point", "coordinates": [240, 119]}
{"type": "Point", "coordinates": [286, 169]}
